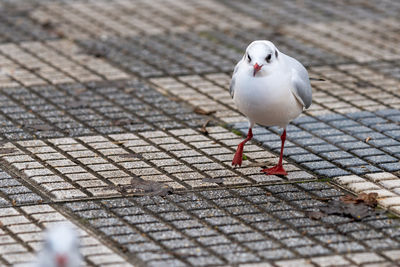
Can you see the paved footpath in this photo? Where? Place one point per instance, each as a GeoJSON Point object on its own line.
{"type": "Point", "coordinates": [101, 100]}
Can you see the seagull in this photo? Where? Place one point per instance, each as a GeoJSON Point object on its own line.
{"type": "Point", "coordinates": [60, 249]}
{"type": "Point", "coordinates": [270, 89]}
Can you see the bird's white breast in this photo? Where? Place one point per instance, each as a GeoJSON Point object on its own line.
{"type": "Point", "coordinates": [266, 99]}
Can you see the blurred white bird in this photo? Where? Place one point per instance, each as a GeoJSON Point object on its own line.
{"type": "Point", "coordinates": [271, 89]}
{"type": "Point", "coordinates": [60, 249]}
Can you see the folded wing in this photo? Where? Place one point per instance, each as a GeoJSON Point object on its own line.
{"type": "Point", "coordinates": [301, 82]}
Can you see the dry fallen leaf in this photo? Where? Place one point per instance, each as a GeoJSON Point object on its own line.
{"type": "Point", "coordinates": [150, 187]}
{"type": "Point", "coordinates": [315, 215]}
{"type": "Point", "coordinates": [142, 187]}
{"type": "Point", "coordinates": [48, 25]}
{"type": "Point", "coordinates": [367, 139]}
{"type": "Point", "coordinates": [130, 156]}
{"type": "Point", "coordinates": [348, 199]}
{"type": "Point", "coordinates": [118, 142]}
{"type": "Point", "coordinates": [349, 207]}
{"type": "Point", "coordinates": [39, 127]}
{"type": "Point", "coordinates": [203, 128]}
{"type": "Point", "coordinates": [201, 111]}
{"type": "Point", "coordinates": [174, 98]}
{"type": "Point", "coordinates": [367, 199]}
{"type": "Point", "coordinates": [77, 104]}
{"type": "Point", "coordinates": [122, 122]}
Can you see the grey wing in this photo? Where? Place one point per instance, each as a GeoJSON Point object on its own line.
{"type": "Point", "coordinates": [301, 82]}
{"type": "Point", "coordinates": [232, 84]}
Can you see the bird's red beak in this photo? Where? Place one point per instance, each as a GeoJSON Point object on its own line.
{"type": "Point", "coordinates": [61, 260]}
{"type": "Point", "coordinates": [257, 68]}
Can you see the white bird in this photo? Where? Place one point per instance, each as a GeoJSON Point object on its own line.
{"type": "Point", "coordinates": [270, 89]}
{"type": "Point", "coordinates": [60, 249]}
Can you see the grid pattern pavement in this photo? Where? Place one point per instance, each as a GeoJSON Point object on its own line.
{"type": "Point", "coordinates": [98, 97]}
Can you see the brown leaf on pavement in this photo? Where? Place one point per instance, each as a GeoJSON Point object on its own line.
{"type": "Point", "coordinates": [203, 128]}
{"type": "Point", "coordinates": [39, 127]}
{"type": "Point", "coordinates": [77, 104]}
{"type": "Point", "coordinates": [150, 187]}
{"type": "Point", "coordinates": [367, 199]}
{"type": "Point", "coordinates": [315, 215]}
{"type": "Point", "coordinates": [130, 156]}
{"type": "Point", "coordinates": [201, 111]}
{"type": "Point", "coordinates": [354, 211]}
{"type": "Point", "coordinates": [140, 187]}
{"type": "Point", "coordinates": [48, 25]}
{"type": "Point", "coordinates": [356, 207]}
{"type": "Point", "coordinates": [122, 122]}
{"type": "Point", "coordinates": [349, 199]}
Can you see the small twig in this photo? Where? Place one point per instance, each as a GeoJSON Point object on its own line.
{"type": "Point", "coordinates": [203, 129]}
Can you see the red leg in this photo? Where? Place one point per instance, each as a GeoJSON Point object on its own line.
{"type": "Point", "coordinates": [237, 159]}
{"type": "Point", "coordinates": [278, 169]}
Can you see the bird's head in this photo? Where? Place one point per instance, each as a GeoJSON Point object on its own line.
{"type": "Point", "coordinates": [61, 247]}
{"type": "Point", "coordinates": [261, 57]}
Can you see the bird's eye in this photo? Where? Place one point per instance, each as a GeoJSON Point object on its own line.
{"type": "Point", "coordinates": [268, 58]}
{"type": "Point", "coordinates": [248, 58]}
